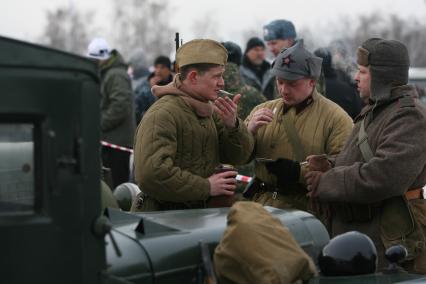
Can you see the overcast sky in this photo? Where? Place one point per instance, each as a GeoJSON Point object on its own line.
{"type": "Point", "coordinates": [25, 19]}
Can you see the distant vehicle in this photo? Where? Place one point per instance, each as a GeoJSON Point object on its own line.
{"type": "Point", "coordinates": [51, 230]}
{"type": "Point", "coordinates": [417, 77]}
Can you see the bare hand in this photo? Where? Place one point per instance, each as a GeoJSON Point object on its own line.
{"type": "Point", "coordinates": [227, 110]}
{"type": "Point", "coordinates": [154, 80]}
{"type": "Point", "coordinates": [261, 117]}
{"type": "Point", "coordinates": [318, 163]}
{"type": "Point", "coordinates": [223, 183]}
{"type": "Point", "coordinates": [312, 180]}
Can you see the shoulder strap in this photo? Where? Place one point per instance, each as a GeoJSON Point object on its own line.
{"type": "Point", "coordinates": [364, 147]}
{"type": "Point", "coordinates": [293, 138]}
{"type": "Point", "coordinates": [406, 101]}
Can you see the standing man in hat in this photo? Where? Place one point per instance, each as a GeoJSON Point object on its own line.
{"type": "Point", "coordinates": [278, 34]}
{"type": "Point", "coordinates": [117, 108]}
{"type": "Point", "coordinates": [254, 68]}
{"type": "Point", "coordinates": [375, 185]}
{"type": "Point", "coordinates": [184, 136]}
{"type": "Point", "coordinates": [288, 129]}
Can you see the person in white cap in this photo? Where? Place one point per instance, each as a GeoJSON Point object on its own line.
{"type": "Point", "coordinates": [117, 120]}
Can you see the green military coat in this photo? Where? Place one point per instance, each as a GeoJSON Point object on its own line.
{"type": "Point", "coordinates": [176, 151]}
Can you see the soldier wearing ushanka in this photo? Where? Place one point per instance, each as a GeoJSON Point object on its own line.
{"type": "Point", "coordinates": [376, 183]}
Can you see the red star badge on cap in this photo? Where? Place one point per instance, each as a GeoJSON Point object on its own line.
{"type": "Point", "coordinates": [287, 61]}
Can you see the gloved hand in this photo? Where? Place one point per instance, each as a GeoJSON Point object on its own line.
{"type": "Point", "coordinates": [287, 171]}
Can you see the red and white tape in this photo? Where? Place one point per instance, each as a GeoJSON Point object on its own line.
{"type": "Point", "coordinates": [244, 179]}
{"type": "Point", "coordinates": [240, 178]}
{"type": "Point", "coordinates": [114, 146]}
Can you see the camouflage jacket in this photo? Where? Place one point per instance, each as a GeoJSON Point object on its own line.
{"type": "Point", "coordinates": [250, 96]}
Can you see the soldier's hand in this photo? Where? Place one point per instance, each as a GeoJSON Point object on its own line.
{"type": "Point", "coordinates": [318, 163]}
{"type": "Point", "coordinates": [227, 110]}
{"type": "Point", "coordinates": [286, 171]}
{"type": "Point", "coordinates": [223, 183]}
{"type": "Point", "coordinates": [312, 180]}
{"type": "Point", "coordinates": [261, 117]}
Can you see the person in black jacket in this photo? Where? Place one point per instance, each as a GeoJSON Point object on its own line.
{"type": "Point", "coordinates": [338, 85]}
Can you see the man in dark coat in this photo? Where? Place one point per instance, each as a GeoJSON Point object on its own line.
{"type": "Point", "coordinates": [117, 120]}
{"type": "Point", "coordinates": [375, 184]}
{"type": "Point", "coordinates": [254, 68]}
{"type": "Point", "coordinates": [337, 85]}
{"type": "Point", "coordinates": [161, 76]}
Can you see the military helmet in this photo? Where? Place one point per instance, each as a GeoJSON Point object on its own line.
{"type": "Point", "coordinates": [234, 52]}
{"type": "Point", "coordinates": [352, 253]}
{"type": "Point", "coordinates": [125, 193]}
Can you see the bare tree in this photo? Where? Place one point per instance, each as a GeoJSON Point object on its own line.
{"type": "Point", "coordinates": [142, 24]}
{"type": "Point", "coordinates": [67, 29]}
{"type": "Point", "coordinates": [409, 31]}
{"type": "Point", "coordinates": [205, 27]}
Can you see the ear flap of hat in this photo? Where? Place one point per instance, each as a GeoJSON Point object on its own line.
{"type": "Point", "coordinates": [314, 65]}
{"type": "Point", "coordinates": [362, 55]}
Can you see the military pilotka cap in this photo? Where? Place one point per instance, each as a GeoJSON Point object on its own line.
{"type": "Point", "coordinates": [201, 51]}
{"type": "Point", "coordinates": [296, 62]}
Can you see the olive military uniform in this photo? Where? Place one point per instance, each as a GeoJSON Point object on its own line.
{"type": "Point", "coordinates": [320, 125]}
{"type": "Point", "coordinates": [180, 141]}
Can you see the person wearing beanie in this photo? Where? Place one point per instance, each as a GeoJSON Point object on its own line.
{"type": "Point", "coordinates": [117, 108]}
{"type": "Point", "coordinates": [188, 132]}
{"type": "Point", "coordinates": [375, 184]}
{"type": "Point", "coordinates": [286, 130]}
{"type": "Point", "coordinates": [254, 69]}
{"type": "Point", "coordinates": [234, 52]}
{"type": "Point", "coordinates": [161, 76]}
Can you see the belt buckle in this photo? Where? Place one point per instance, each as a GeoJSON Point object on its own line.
{"type": "Point", "coordinates": [274, 195]}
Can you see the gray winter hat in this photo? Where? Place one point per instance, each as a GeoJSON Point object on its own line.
{"type": "Point", "coordinates": [388, 61]}
{"type": "Point", "coordinates": [279, 29]}
{"type": "Point", "coordinates": [297, 62]}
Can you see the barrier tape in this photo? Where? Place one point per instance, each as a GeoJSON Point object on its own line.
{"type": "Point", "coordinates": [114, 146]}
{"type": "Point", "coordinates": [241, 178]}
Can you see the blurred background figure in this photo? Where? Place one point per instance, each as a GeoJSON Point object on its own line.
{"type": "Point", "coordinates": [278, 34]}
{"type": "Point", "coordinates": [162, 75]}
{"type": "Point", "coordinates": [138, 68]}
{"type": "Point", "coordinates": [250, 96]}
{"type": "Point", "coordinates": [254, 69]}
{"type": "Point", "coordinates": [338, 85]}
{"type": "Point", "coordinates": [342, 60]}
{"type": "Point", "coordinates": [117, 114]}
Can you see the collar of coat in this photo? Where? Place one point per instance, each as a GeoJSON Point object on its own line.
{"type": "Point", "coordinates": [201, 107]}
{"type": "Point", "coordinates": [302, 105]}
{"type": "Point", "coordinates": [396, 93]}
